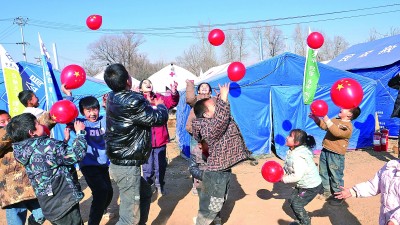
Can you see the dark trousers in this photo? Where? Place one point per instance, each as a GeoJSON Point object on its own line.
{"type": "Point", "coordinates": [73, 217]}
{"type": "Point", "coordinates": [156, 166]}
{"type": "Point", "coordinates": [331, 170]}
{"type": "Point", "coordinates": [301, 197]}
{"type": "Point", "coordinates": [213, 195]}
{"type": "Point", "coordinates": [99, 182]}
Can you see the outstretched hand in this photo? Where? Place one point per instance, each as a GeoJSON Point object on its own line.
{"type": "Point", "coordinates": [345, 193]}
{"type": "Point", "coordinates": [158, 101]}
{"type": "Point", "coordinates": [224, 91]}
{"type": "Point", "coordinates": [174, 87]}
{"type": "Point", "coordinates": [66, 91]}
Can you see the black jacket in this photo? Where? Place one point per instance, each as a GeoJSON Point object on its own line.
{"type": "Point", "coordinates": [129, 120]}
{"type": "Point", "coordinates": [394, 82]}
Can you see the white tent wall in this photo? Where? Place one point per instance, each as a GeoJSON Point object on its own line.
{"type": "Point", "coordinates": [167, 75]}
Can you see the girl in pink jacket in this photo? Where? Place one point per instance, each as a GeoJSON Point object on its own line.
{"type": "Point", "coordinates": [385, 182]}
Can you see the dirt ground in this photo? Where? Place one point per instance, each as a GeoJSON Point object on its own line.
{"type": "Point", "coordinates": [251, 199]}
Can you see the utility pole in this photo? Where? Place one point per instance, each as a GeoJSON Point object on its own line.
{"type": "Point", "coordinates": [21, 23]}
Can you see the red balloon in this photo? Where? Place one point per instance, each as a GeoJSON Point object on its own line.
{"type": "Point", "coordinates": [216, 37]}
{"type": "Point", "coordinates": [94, 22]}
{"type": "Point", "coordinates": [73, 76]}
{"type": "Point", "coordinates": [272, 171]}
{"type": "Point", "coordinates": [315, 40]}
{"type": "Point", "coordinates": [63, 111]}
{"type": "Point", "coordinates": [319, 108]}
{"type": "Point", "coordinates": [236, 71]}
{"type": "Point", "coordinates": [347, 93]}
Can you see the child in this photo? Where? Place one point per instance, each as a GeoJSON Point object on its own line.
{"type": "Point", "coordinates": [49, 164]}
{"type": "Point", "coordinates": [156, 165]}
{"type": "Point", "coordinates": [16, 193]}
{"type": "Point", "coordinates": [94, 165]}
{"type": "Point", "coordinates": [336, 140]}
{"type": "Point", "coordinates": [128, 136]}
{"type": "Point", "coordinates": [215, 126]}
{"type": "Point", "coordinates": [300, 168]}
{"type": "Point", "coordinates": [385, 182]}
{"type": "Point", "coordinates": [31, 102]}
{"type": "Point", "coordinates": [203, 91]}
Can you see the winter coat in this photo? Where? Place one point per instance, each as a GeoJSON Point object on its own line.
{"type": "Point", "coordinates": [394, 83]}
{"type": "Point", "coordinates": [159, 134]}
{"type": "Point", "coordinates": [300, 168]}
{"type": "Point", "coordinates": [129, 120]}
{"type": "Point", "coordinates": [387, 183]}
{"type": "Point", "coordinates": [337, 135]}
{"type": "Point", "coordinates": [15, 186]}
{"type": "Point", "coordinates": [223, 137]}
{"type": "Point", "coordinates": [49, 164]}
{"type": "Point", "coordinates": [96, 151]}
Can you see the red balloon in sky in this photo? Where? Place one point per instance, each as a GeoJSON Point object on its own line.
{"type": "Point", "coordinates": [319, 108]}
{"type": "Point", "coordinates": [236, 71]}
{"type": "Point", "coordinates": [63, 111]}
{"type": "Point", "coordinates": [73, 76]}
{"type": "Point", "coordinates": [272, 171]}
{"type": "Point", "coordinates": [347, 93]}
{"type": "Point", "coordinates": [315, 40]}
{"type": "Point", "coordinates": [94, 22]}
{"type": "Point", "coordinates": [216, 37]}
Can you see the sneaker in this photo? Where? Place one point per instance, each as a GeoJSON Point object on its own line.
{"type": "Point", "coordinates": [108, 215]}
{"type": "Point", "coordinates": [194, 191]}
{"type": "Point", "coordinates": [325, 196]}
{"type": "Point", "coordinates": [162, 191]}
{"type": "Point", "coordinates": [336, 202]}
{"type": "Point", "coordinates": [217, 221]}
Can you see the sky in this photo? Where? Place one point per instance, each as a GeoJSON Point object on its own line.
{"type": "Point", "coordinates": [54, 19]}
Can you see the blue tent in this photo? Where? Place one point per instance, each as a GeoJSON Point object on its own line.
{"type": "Point", "coordinates": [92, 86]}
{"type": "Point", "coordinates": [267, 103]}
{"type": "Point", "coordinates": [378, 60]}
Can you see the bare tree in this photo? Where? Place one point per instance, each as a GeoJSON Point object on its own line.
{"type": "Point", "coordinates": [91, 69]}
{"type": "Point", "coordinates": [332, 48]}
{"type": "Point", "coordinates": [200, 55]}
{"type": "Point", "coordinates": [272, 39]}
{"type": "Point", "coordinates": [234, 47]}
{"type": "Point", "coordinates": [374, 34]}
{"type": "Point", "coordinates": [122, 49]}
{"type": "Point", "coordinates": [300, 40]}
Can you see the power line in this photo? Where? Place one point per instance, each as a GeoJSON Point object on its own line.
{"type": "Point", "coordinates": [21, 23]}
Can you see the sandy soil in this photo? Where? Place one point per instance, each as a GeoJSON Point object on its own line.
{"type": "Point", "coordinates": [251, 199]}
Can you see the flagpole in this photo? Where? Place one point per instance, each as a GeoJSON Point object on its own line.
{"type": "Point", "coordinates": [55, 56]}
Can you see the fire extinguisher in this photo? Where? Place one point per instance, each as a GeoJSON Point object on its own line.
{"type": "Point", "coordinates": [384, 140]}
{"type": "Point", "coordinates": [377, 141]}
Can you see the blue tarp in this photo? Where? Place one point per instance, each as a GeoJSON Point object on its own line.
{"type": "Point", "coordinates": [378, 60]}
{"type": "Point", "coordinates": [267, 103]}
{"type": "Point", "coordinates": [92, 86]}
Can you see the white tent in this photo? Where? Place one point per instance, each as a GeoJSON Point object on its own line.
{"type": "Point", "coordinates": [213, 71]}
{"type": "Point", "coordinates": [168, 75]}
{"type": "Point", "coordinates": [100, 76]}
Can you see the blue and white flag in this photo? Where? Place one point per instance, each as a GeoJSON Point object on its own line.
{"type": "Point", "coordinates": [52, 91]}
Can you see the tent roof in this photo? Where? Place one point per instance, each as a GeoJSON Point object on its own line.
{"type": "Point", "coordinates": [378, 53]}
{"type": "Point", "coordinates": [213, 71]}
{"type": "Point", "coordinates": [285, 69]}
{"type": "Point", "coordinates": [168, 75]}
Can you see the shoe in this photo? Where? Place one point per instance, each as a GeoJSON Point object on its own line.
{"type": "Point", "coordinates": [161, 191]}
{"type": "Point", "coordinates": [194, 191]}
{"type": "Point", "coordinates": [325, 196]}
{"type": "Point", "coordinates": [217, 221]}
{"type": "Point", "coordinates": [108, 215]}
{"type": "Point", "coordinates": [336, 202]}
